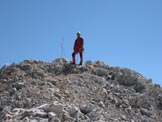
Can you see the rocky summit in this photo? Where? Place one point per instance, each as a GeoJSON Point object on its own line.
{"type": "Point", "coordinates": [58, 91]}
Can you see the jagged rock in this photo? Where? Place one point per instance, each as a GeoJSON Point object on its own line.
{"type": "Point", "coordinates": [88, 63]}
{"type": "Point", "coordinates": [86, 109]}
{"type": "Point", "coordinates": [68, 118]}
{"type": "Point", "coordinates": [94, 116]}
{"type": "Point", "coordinates": [72, 110]}
{"type": "Point", "coordinates": [18, 85]}
{"type": "Point", "coordinates": [36, 91]}
{"type": "Point", "coordinates": [60, 60]}
{"type": "Point", "coordinates": [145, 112]}
{"type": "Point", "coordinates": [99, 63]}
{"type": "Point", "coordinates": [100, 72]}
{"type": "Point", "coordinates": [56, 107]}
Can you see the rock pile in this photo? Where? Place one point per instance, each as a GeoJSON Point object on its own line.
{"type": "Point", "coordinates": [36, 91]}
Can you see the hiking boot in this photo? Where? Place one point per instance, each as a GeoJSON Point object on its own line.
{"type": "Point", "coordinates": [72, 63]}
{"type": "Point", "coordinates": [80, 63]}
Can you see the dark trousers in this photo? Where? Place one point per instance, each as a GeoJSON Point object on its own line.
{"type": "Point", "coordinates": [75, 53]}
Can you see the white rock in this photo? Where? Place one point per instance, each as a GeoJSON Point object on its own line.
{"type": "Point", "coordinates": [43, 107]}
{"type": "Point", "coordinates": [44, 120]}
{"type": "Point", "coordinates": [51, 115]}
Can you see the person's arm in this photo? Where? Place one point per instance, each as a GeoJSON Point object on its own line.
{"type": "Point", "coordinates": [75, 44]}
{"type": "Point", "coordinates": [82, 45]}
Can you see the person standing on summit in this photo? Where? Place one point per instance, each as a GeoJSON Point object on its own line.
{"type": "Point", "coordinates": [78, 48]}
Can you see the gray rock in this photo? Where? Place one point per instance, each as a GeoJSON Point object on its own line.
{"type": "Point", "coordinates": [86, 109]}
{"type": "Point", "coordinates": [54, 120]}
{"type": "Point", "coordinates": [68, 118]}
{"type": "Point", "coordinates": [94, 116]}
{"type": "Point", "coordinates": [44, 107]}
{"type": "Point", "coordinates": [88, 63]}
{"type": "Point", "coordinates": [35, 91]}
{"type": "Point", "coordinates": [56, 107]}
{"type": "Point", "coordinates": [146, 112]}
{"type": "Point", "coordinates": [34, 120]}
{"type": "Point", "coordinates": [2, 115]}
{"type": "Point", "coordinates": [72, 110]}
{"type": "Point", "coordinates": [12, 91]}
{"type": "Point", "coordinates": [100, 63]}
{"type": "Point", "coordinates": [18, 85]}
{"type": "Point", "coordinates": [40, 114]}
{"type": "Point", "coordinates": [60, 60]}
{"type": "Point", "coordinates": [44, 120]}
{"type": "Point", "coordinates": [139, 87]}
{"type": "Point", "coordinates": [26, 119]}
{"type": "Point", "coordinates": [101, 72]}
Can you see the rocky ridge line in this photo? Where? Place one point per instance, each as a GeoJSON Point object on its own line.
{"type": "Point", "coordinates": [36, 91]}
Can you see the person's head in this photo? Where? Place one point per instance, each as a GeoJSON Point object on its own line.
{"type": "Point", "coordinates": [78, 34]}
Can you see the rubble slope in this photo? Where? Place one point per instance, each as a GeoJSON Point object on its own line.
{"type": "Point", "coordinates": [36, 91]}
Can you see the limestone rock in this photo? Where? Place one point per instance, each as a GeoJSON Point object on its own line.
{"type": "Point", "coordinates": [36, 91]}
{"type": "Point", "coordinates": [56, 107]}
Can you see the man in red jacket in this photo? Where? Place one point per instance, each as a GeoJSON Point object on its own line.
{"type": "Point", "coordinates": [78, 48]}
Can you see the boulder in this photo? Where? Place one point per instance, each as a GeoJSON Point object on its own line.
{"type": "Point", "coordinates": [56, 107]}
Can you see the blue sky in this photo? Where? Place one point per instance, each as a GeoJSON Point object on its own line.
{"type": "Point", "coordinates": [124, 33]}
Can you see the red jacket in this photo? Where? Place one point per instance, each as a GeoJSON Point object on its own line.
{"type": "Point", "coordinates": [78, 45]}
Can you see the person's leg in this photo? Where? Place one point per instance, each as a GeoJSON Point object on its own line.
{"type": "Point", "coordinates": [73, 57]}
{"type": "Point", "coordinates": [81, 58]}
